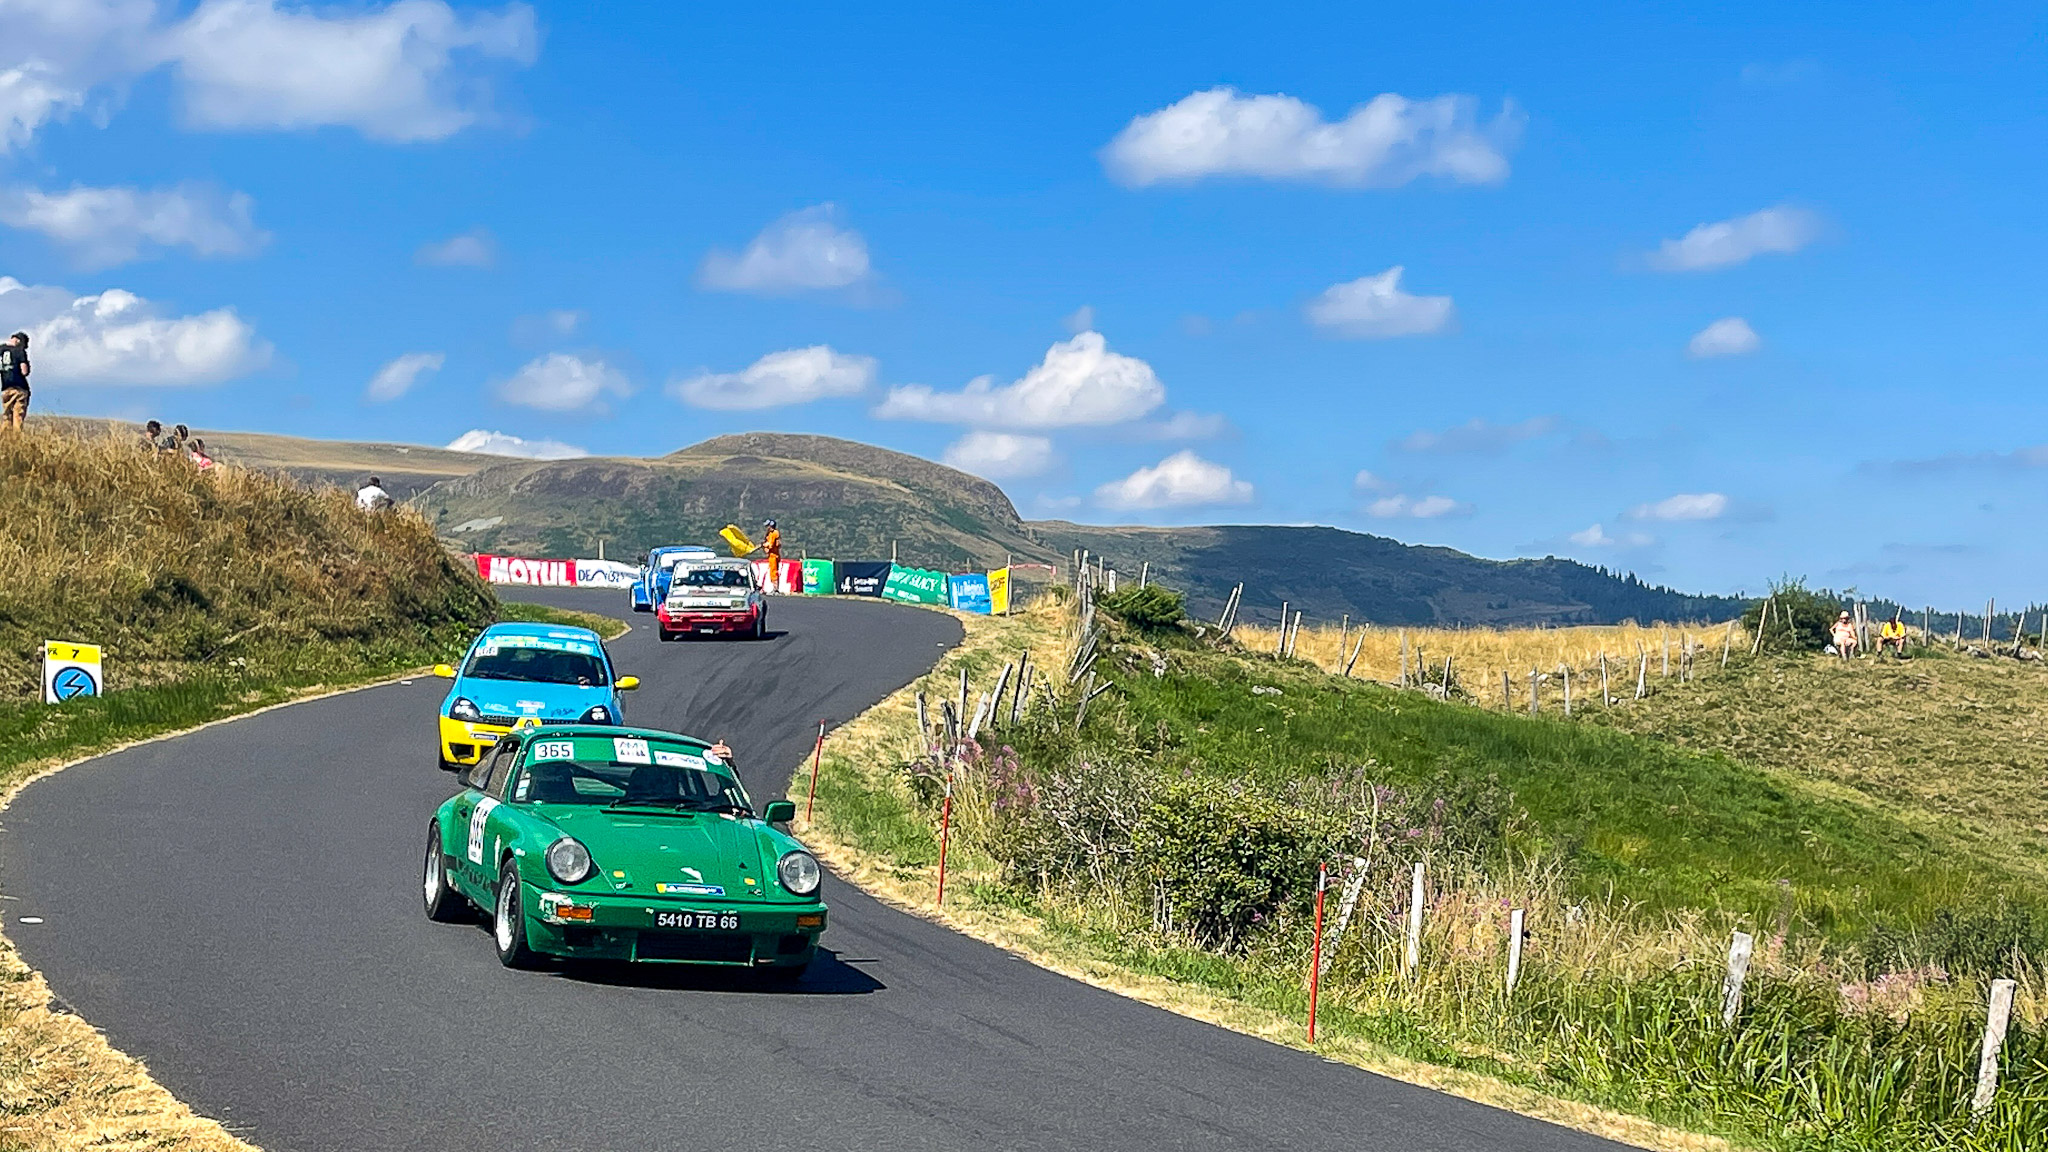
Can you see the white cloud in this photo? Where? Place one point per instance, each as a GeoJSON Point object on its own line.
{"type": "Point", "coordinates": [804, 251]}
{"type": "Point", "coordinates": [118, 338]}
{"type": "Point", "coordinates": [502, 444]}
{"type": "Point", "coordinates": [1477, 437]}
{"type": "Point", "coordinates": [1684, 506]}
{"type": "Point", "coordinates": [1595, 536]}
{"type": "Point", "coordinates": [1388, 141]}
{"type": "Point", "coordinates": [472, 249]}
{"type": "Point", "coordinates": [406, 71]}
{"type": "Point", "coordinates": [1729, 336]}
{"type": "Point", "coordinates": [396, 378]}
{"type": "Point", "coordinates": [553, 324]}
{"type": "Point", "coordinates": [410, 70]}
{"type": "Point", "coordinates": [1080, 382]}
{"type": "Point", "coordinates": [562, 382]}
{"type": "Point", "coordinates": [1375, 308]}
{"type": "Point", "coordinates": [1000, 455]}
{"type": "Point", "coordinates": [1367, 481]}
{"type": "Point", "coordinates": [1728, 242]}
{"type": "Point", "coordinates": [107, 226]}
{"type": "Point", "coordinates": [797, 376]}
{"type": "Point", "coordinates": [1182, 480]}
{"type": "Point", "coordinates": [1413, 507]}
{"type": "Point", "coordinates": [1184, 426]}
{"type": "Point", "coordinates": [1081, 319]}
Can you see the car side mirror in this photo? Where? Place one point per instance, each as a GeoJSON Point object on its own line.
{"type": "Point", "coordinates": [779, 811]}
{"type": "Point", "coordinates": [628, 683]}
{"type": "Point", "coordinates": [444, 671]}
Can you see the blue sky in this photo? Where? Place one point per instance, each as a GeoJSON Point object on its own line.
{"type": "Point", "coordinates": [1715, 297]}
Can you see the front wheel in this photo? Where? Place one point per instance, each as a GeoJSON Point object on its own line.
{"type": "Point", "coordinates": [508, 926]}
{"type": "Point", "coordinates": [666, 635]}
{"type": "Point", "coordinates": [444, 904]}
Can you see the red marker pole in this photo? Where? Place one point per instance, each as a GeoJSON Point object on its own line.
{"type": "Point", "coordinates": [945, 830]}
{"type": "Point", "coordinates": [1315, 960]}
{"type": "Point", "coordinates": [817, 754]}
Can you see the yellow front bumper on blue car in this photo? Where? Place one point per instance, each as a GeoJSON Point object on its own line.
{"type": "Point", "coordinates": [464, 743]}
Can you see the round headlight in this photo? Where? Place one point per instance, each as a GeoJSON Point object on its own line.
{"type": "Point", "coordinates": [465, 710]}
{"type": "Point", "coordinates": [569, 861]}
{"type": "Point", "coordinates": [598, 714]}
{"type": "Point", "coordinates": [798, 872]}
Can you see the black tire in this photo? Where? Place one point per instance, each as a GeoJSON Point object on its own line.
{"type": "Point", "coordinates": [666, 635]}
{"type": "Point", "coordinates": [448, 765]}
{"type": "Point", "coordinates": [444, 904]}
{"type": "Point", "coordinates": [508, 920]}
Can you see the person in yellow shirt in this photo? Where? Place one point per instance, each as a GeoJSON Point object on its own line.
{"type": "Point", "coordinates": [772, 543]}
{"type": "Point", "coordinates": [1892, 635]}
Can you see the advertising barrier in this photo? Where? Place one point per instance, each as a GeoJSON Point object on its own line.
{"type": "Point", "coordinates": [789, 579]}
{"type": "Point", "coordinates": [915, 585]}
{"type": "Point", "coordinates": [861, 577]}
{"type": "Point", "coordinates": [519, 570]}
{"type": "Point", "coordinates": [999, 592]}
{"type": "Point", "coordinates": [969, 592]}
{"type": "Point", "coordinates": [818, 580]}
{"type": "Point", "coordinates": [605, 574]}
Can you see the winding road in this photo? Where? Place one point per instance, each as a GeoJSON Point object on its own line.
{"type": "Point", "coordinates": [239, 907]}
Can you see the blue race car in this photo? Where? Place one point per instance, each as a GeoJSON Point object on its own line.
{"type": "Point", "coordinates": [652, 586]}
{"type": "Point", "coordinates": [522, 676]}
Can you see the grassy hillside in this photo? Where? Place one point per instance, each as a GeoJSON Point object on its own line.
{"type": "Point", "coordinates": [1170, 843]}
{"type": "Point", "coordinates": [406, 469]}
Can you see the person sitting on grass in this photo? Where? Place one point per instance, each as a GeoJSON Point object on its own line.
{"type": "Point", "coordinates": [372, 497]}
{"type": "Point", "coordinates": [1892, 634]}
{"type": "Point", "coordinates": [151, 433]}
{"type": "Point", "coordinates": [1844, 636]}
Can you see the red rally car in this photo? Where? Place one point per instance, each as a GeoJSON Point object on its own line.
{"type": "Point", "coordinates": [713, 598]}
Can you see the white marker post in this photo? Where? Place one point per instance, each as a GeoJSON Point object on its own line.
{"type": "Point", "coordinates": [1739, 948]}
{"type": "Point", "coordinates": [1514, 949]}
{"type": "Point", "coordinates": [1412, 961]}
{"type": "Point", "coordinates": [1994, 1039]}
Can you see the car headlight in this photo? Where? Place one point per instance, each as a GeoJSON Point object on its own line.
{"type": "Point", "coordinates": [598, 714]}
{"type": "Point", "coordinates": [798, 872]}
{"type": "Point", "coordinates": [569, 861]}
{"type": "Point", "coordinates": [464, 710]}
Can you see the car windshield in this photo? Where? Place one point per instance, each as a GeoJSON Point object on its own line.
{"type": "Point", "coordinates": [619, 785]}
{"type": "Point", "coordinates": [674, 558]}
{"type": "Point", "coordinates": [536, 664]}
{"type": "Point", "coordinates": [714, 578]}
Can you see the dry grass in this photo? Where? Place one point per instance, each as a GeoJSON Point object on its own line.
{"type": "Point", "coordinates": [1478, 656]}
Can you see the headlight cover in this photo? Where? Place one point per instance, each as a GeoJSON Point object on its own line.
{"type": "Point", "coordinates": [598, 714]}
{"type": "Point", "coordinates": [464, 710]}
{"type": "Point", "coordinates": [569, 861]}
{"type": "Point", "coordinates": [798, 872]}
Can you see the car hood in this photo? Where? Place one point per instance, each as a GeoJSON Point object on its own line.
{"type": "Point", "coordinates": [691, 855]}
{"type": "Point", "coordinates": [523, 698]}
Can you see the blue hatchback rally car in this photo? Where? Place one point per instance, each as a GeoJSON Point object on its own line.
{"type": "Point", "coordinates": [522, 676]}
{"type": "Point", "coordinates": [652, 586]}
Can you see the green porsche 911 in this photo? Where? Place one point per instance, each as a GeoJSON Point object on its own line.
{"type": "Point", "coordinates": [606, 843]}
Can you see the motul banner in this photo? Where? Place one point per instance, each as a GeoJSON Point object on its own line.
{"type": "Point", "coordinates": [519, 570]}
{"type": "Point", "coordinates": [790, 579]}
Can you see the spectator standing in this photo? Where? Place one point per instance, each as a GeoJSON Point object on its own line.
{"type": "Point", "coordinates": [180, 435]}
{"type": "Point", "coordinates": [200, 459]}
{"type": "Point", "coordinates": [14, 381]}
{"type": "Point", "coordinates": [372, 497]}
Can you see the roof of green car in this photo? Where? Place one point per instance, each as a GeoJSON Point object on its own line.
{"type": "Point", "coordinates": [612, 730]}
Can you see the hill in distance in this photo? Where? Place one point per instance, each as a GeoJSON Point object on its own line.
{"type": "Point", "coordinates": [846, 500]}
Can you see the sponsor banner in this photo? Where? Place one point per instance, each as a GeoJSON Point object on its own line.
{"type": "Point", "coordinates": [519, 570]}
{"type": "Point", "coordinates": [861, 577]}
{"type": "Point", "coordinates": [605, 574]}
{"type": "Point", "coordinates": [969, 592]}
{"type": "Point", "coordinates": [71, 670]}
{"type": "Point", "coordinates": [915, 585]}
{"type": "Point", "coordinates": [789, 579]}
{"type": "Point", "coordinates": [818, 579]}
{"type": "Point", "coordinates": [999, 592]}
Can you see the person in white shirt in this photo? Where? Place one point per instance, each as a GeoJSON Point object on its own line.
{"type": "Point", "coordinates": [372, 496]}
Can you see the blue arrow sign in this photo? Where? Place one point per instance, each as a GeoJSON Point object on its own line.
{"type": "Point", "coordinates": [70, 682]}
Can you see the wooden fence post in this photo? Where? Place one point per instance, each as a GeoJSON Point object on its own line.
{"type": "Point", "coordinates": [1606, 699]}
{"type": "Point", "coordinates": [1280, 647]}
{"type": "Point", "coordinates": [1726, 641]}
{"type": "Point", "coordinates": [1506, 699]}
{"type": "Point", "coordinates": [1403, 681]}
{"type": "Point", "coordinates": [1534, 705]}
{"type": "Point", "coordinates": [1994, 1038]}
{"type": "Point", "coordinates": [1412, 959]}
{"type": "Point", "coordinates": [1514, 950]}
{"type": "Point", "coordinates": [1739, 948]}
{"type": "Point", "coordinates": [1666, 673]}
{"type": "Point", "coordinates": [1566, 669]}
{"type": "Point", "coordinates": [1643, 677]}
{"type": "Point", "coordinates": [1763, 620]}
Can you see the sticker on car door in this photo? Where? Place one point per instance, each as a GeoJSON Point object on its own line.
{"type": "Point", "coordinates": [476, 829]}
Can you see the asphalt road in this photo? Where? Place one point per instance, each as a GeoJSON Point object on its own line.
{"type": "Point", "coordinates": [240, 908]}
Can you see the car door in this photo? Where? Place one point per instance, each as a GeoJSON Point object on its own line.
{"type": "Point", "coordinates": [469, 838]}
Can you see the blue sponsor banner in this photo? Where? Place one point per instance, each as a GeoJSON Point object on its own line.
{"type": "Point", "coordinates": [970, 593]}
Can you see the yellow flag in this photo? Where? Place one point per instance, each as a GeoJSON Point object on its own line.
{"type": "Point", "coordinates": [737, 540]}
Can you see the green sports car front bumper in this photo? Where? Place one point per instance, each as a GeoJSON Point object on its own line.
{"type": "Point", "coordinates": [597, 926]}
